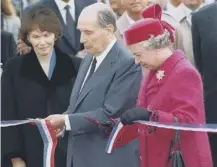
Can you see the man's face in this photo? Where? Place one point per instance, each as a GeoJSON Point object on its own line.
{"type": "Point", "coordinates": [117, 6]}
{"type": "Point", "coordinates": [94, 38]}
{"type": "Point", "coordinates": [192, 4]}
{"type": "Point", "coordinates": [135, 5]}
{"type": "Point", "coordinates": [145, 57]}
{"type": "Point", "coordinates": [42, 41]}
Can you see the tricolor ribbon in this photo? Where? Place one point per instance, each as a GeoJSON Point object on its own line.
{"type": "Point", "coordinates": [122, 135]}
{"type": "Point", "coordinates": [47, 133]}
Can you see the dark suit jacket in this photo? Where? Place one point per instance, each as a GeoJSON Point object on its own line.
{"type": "Point", "coordinates": [27, 93]}
{"type": "Point", "coordinates": [111, 90]}
{"type": "Point", "coordinates": [204, 33]}
{"type": "Point", "coordinates": [8, 46]}
{"type": "Point", "coordinates": [66, 43]}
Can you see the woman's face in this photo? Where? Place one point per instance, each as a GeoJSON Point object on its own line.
{"type": "Point", "coordinates": [146, 57]}
{"type": "Point", "coordinates": [42, 41]}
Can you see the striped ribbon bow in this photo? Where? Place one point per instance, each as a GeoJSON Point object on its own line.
{"type": "Point", "coordinates": [47, 133]}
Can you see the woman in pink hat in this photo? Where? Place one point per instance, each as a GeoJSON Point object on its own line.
{"type": "Point", "coordinates": [172, 91]}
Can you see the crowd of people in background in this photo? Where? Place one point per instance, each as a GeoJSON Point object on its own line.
{"type": "Point", "coordinates": [193, 25]}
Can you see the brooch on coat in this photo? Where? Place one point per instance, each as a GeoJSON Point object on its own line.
{"type": "Point", "coordinates": [160, 74]}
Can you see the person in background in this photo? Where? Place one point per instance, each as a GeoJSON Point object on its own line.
{"type": "Point", "coordinates": [67, 12]}
{"type": "Point", "coordinates": [133, 13]}
{"type": "Point", "coordinates": [8, 47]}
{"type": "Point", "coordinates": [204, 35]}
{"type": "Point", "coordinates": [35, 86]}
{"type": "Point", "coordinates": [107, 84]}
{"type": "Point", "coordinates": [133, 9]}
{"type": "Point", "coordinates": [117, 7]}
{"type": "Point", "coordinates": [19, 5]}
{"type": "Point", "coordinates": [160, 100]}
{"type": "Point", "coordinates": [183, 33]}
{"type": "Point", "coordinates": [173, 12]}
{"type": "Point", "coordinates": [9, 20]}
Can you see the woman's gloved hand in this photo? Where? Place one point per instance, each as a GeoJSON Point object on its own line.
{"type": "Point", "coordinates": [134, 114]}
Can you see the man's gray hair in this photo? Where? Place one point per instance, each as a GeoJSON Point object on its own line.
{"type": "Point", "coordinates": [107, 17]}
{"type": "Point", "coordinates": [158, 42]}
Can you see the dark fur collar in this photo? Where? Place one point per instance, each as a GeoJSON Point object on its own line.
{"type": "Point", "coordinates": [64, 70]}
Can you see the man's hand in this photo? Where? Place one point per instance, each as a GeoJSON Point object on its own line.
{"type": "Point", "coordinates": [57, 121]}
{"type": "Point", "coordinates": [18, 162]}
{"type": "Point", "coordinates": [22, 47]}
{"type": "Point", "coordinates": [60, 132]}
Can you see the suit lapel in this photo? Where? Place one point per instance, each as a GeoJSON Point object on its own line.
{"type": "Point", "coordinates": [32, 69]}
{"type": "Point", "coordinates": [80, 78]}
{"type": "Point", "coordinates": [55, 8]}
{"type": "Point", "coordinates": [100, 74]}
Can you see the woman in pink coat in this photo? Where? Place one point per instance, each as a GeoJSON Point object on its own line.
{"type": "Point", "coordinates": [172, 88]}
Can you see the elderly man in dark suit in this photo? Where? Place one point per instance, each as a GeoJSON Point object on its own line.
{"type": "Point", "coordinates": [67, 12]}
{"type": "Point", "coordinates": [204, 33]}
{"type": "Point", "coordinates": [107, 84]}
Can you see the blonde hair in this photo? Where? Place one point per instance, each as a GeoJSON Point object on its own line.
{"type": "Point", "coordinates": [7, 8]}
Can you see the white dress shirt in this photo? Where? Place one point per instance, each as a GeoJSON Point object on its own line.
{"type": "Point", "coordinates": [61, 6]}
{"type": "Point", "coordinates": [131, 21]}
{"type": "Point", "coordinates": [176, 12]}
{"type": "Point", "coordinates": [99, 60]}
{"type": "Point", "coordinates": [188, 12]}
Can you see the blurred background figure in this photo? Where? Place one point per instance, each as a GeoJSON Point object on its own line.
{"type": "Point", "coordinates": [183, 34]}
{"type": "Point", "coordinates": [22, 4]}
{"type": "Point", "coordinates": [8, 47]}
{"type": "Point", "coordinates": [9, 20]}
{"type": "Point", "coordinates": [173, 12]}
{"type": "Point", "coordinates": [118, 7]}
{"type": "Point", "coordinates": [133, 10]}
{"type": "Point", "coordinates": [204, 35]}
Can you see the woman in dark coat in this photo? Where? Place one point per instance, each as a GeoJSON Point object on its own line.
{"type": "Point", "coordinates": [35, 86]}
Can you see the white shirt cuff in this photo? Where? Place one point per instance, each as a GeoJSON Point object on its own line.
{"type": "Point", "coordinates": [67, 123]}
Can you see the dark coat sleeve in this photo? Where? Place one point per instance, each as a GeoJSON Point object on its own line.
{"type": "Point", "coordinates": [197, 44]}
{"type": "Point", "coordinates": [13, 47]}
{"type": "Point", "coordinates": [8, 46]}
{"type": "Point", "coordinates": [76, 61]}
{"type": "Point", "coordinates": [11, 136]}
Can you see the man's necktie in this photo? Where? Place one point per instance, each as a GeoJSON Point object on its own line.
{"type": "Point", "coordinates": [70, 25]}
{"type": "Point", "coordinates": [92, 69]}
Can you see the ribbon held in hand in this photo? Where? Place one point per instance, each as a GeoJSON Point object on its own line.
{"type": "Point", "coordinates": [122, 135]}
{"type": "Point", "coordinates": [47, 133]}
